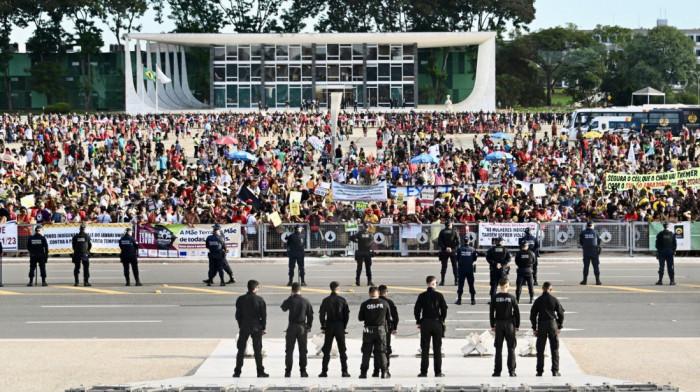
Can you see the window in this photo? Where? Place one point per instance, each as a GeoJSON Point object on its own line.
{"type": "Point", "coordinates": [384, 52]}
{"type": "Point", "coordinates": [270, 53]}
{"type": "Point", "coordinates": [219, 53]}
{"type": "Point", "coordinates": [320, 72]}
{"type": "Point", "coordinates": [396, 52]}
{"type": "Point", "coordinates": [408, 93]}
{"type": "Point", "coordinates": [231, 72]}
{"type": "Point", "coordinates": [231, 95]}
{"type": "Point", "coordinates": [219, 73]}
{"type": "Point", "coordinates": [220, 97]}
{"type": "Point", "coordinates": [357, 52]}
{"type": "Point", "coordinates": [255, 52]}
{"type": "Point", "coordinates": [282, 52]}
{"type": "Point", "coordinates": [321, 53]}
{"type": "Point", "coordinates": [232, 52]}
{"type": "Point", "coordinates": [244, 53]}
{"type": "Point", "coordinates": [372, 74]}
{"type": "Point", "coordinates": [371, 52]}
{"type": "Point", "coordinates": [282, 95]}
{"type": "Point", "coordinates": [357, 72]}
{"type": "Point", "coordinates": [384, 71]}
{"type": "Point", "coordinates": [345, 73]}
{"type": "Point", "coordinates": [244, 74]}
{"type": "Point", "coordinates": [270, 73]}
{"type": "Point", "coordinates": [295, 73]}
{"type": "Point", "coordinates": [345, 53]}
{"type": "Point", "coordinates": [306, 72]}
{"type": "Point", "coordinates": [333, 72]}
{"type": "Point", "coordinates": [295, 53]}
{"type": "Point", "coordinates": [307, 52]}
{"type": "Point", "coordinates": [408, 52]}
{"type": "Point", "coordinates": [408, 72]}
{"type": "Point", "coordinates": [282, 72]}
{"type": "Point", "coordinates": [333, 51]}
{"type": "Point", "coordinates": [255, 72]}
{"type": "Point", "coordinates": [396, 75]}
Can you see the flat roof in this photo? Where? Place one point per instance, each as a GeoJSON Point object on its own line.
{"type": "Point", "coordinates": [424, 40]}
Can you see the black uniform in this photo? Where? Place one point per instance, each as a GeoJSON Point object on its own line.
{"type": "Point", "coordinates": [534, 246]}
{"type": "Point", "coordinates": [376, 315]}
{"type": "Point", "coordinates": [295, 251]}
{"type": "Point", "coordinates": [497, 255]}
{"type": "Point", "coordinates": [217, 254]}
{"type": "Point", "coordinates": [81, 249]}
{"type": "Point", "coordinates": [466, 257]}
{"type": "Point", "coordinates": [590, 241]}
{"type": "Point", "coordinates": [334, 316]}
{"type": "Point", "coordinates": [391, 326]}
{"type": "Point", "coordinates": [38, 249]}
{"type": "Point", "coordinates": [364, 240]}
{"type": "Point", "coordinates": [301, 317]}
{"type": "Point", "coordinates": [251, 315]}
{"type": "Point", "coordinates": [665, 247]}
{"type": "Point", "coordinates": [129, 256]}
{"type": "Point", "coordinates": [525, 260]}
{"type": "Point", "coordinates": [448, 238]}
{"type": "Point", "coordinates": [430, 312]}
{"type": "Point", "coordinates": [225, 265]}
{"type": "Point", "coordinates": [547, 317]}
{"type": "Point", "coordinates": [504, 316]}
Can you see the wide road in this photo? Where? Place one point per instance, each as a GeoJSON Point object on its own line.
{"type": "Point", "coordinates": [173, 303]}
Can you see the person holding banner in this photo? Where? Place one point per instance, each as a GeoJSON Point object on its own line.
{"type": "Point", "coordinates": [590, 242]}
{"type": "Point", "coordinates": [498, 258]}
{"type": "Point", "coordinates": [38, 249]}
{"type": "Point", "coordinates": [128, 256]}
{"type": "Point", "coordinates": [364, 240]}
{"type": "Point", "coordinates": [665, 248]}
{"type": "Point", "coordinates": [534, 246]}
{"type": "Point", "coordinates": [81, 255]}
{"type": "Point", "coordinates": [448, 241]}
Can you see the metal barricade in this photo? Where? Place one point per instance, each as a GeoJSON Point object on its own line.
{"type": "Point", "coordinates": [639, 234]}
{"type": "Point", "coordinates": [419, 239]}
{"type": "Point", "coordinates": [329, 237]}
{"type": "Point", "coordinates": [275, 238]}
{"type": "Point", "coordinates": [387, 240]}
{"type": "Point", "coordinates": [252, 239]}
{"type": "Point", "coordinates": [564, 236]}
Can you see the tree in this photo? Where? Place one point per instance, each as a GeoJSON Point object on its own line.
{"type": "Point", "coordinates": [192, 16]}
{"type": "Point", "coordinates": [46, 47]}
{"type": "Point", "coordinates": [583, 73]}
{"type": "Point", "coordinates": [11, 15]}
{"type": "Point", "coordinates": [122, 16]}
{"type": "Point", "coordinates": [516, 79]}
{"type": "Point", "coordinates": [252, 16]}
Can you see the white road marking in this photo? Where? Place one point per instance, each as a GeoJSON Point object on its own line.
{"type": "Point", "coordinates": [467, 321]}
{"type": "Point", "coordinates": [94, 322]}
{"type": "Point", "coordinates": [486, 311]}
{"type": "Point", "coordinates": [110, 306]}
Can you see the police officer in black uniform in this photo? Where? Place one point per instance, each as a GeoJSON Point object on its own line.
{"type": "Point", "coordinates": [430, 312]}
{"type": "Point", "coordinates": [251, 315]}
{"type": "Point", "coordinates": [525, 260]}
{"type": "Point", "coordinates": [129, 256]}
{"type": "Point", "coordinates": [665, 248]}
{"type": "Point", "coordinates": [590, 241]}
{"type": "Point", "coordinates": [295, 251]}
{"type": "Point", "coordinates": [301, 317]}
{"type": "Point", "coordinates": [466, 257]}
{"type": "Point", "coordinates": [390, 330]}
{"type": "Point", "coordinates": [38, 249]}
{"type": "Point", "coordinates": [376, 316]}
{"type": "Point", "coordinates": [534, 245]}
{"type": "Point", "coordinates": [225, 265]}
{"type": "Point", "coordinates": [334, 316]}
{"type": "Point", "coordinates": [217, 252]}
{"type": "Point", "coordinates": [81, 254]}
{"type": "Point", "coordinates": [504, 316]}
{"type": "Point", "coordinates": [364, 240]}
{"type": "Point", "coordinates": [448, 241]}
{"type": "Point", "coordinates": [498, 258]}
{"type": "Point", "coordinates": [547, 319]}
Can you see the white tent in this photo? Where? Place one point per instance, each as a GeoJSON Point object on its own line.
{"type": "Point", "coordinates": [649, 92]}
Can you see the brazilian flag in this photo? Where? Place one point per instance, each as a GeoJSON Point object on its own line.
{"type": "Point", "coordinates": [149, 75]}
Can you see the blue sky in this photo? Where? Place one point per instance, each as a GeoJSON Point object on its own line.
{"type": "Point", "coordinates": [585, 14]}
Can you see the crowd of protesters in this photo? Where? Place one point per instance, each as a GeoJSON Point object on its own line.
{"type": "Point", "coordinates": [116, 168]}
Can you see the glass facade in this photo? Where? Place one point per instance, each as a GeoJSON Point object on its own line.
{"type": "Point", "coordinates": [280, 75]}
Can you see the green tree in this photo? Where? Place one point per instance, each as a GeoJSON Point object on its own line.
{"type": "Point", "coordinates": [517, 81]}
{"type": "Point", "coordinates": [192, 16]}
{"type": "Point", "coordinates": [11, 15]}
{"type": "Point", "coordinates": [252, 16]}
{"type": "Point", "coordinates": [47, 47]}
{"type": "Point", "coordinates": [122, 16]}
{"type": "Point", "coordinates": [583, 73]}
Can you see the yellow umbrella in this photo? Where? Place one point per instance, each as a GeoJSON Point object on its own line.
{"type": "Point", "coordinates": [592, 135]}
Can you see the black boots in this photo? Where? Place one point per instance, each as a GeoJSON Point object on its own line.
{"type": "Point", "coordinates": [128, 282]}
{"type": "Point", "coordinates": [43, 282]}
{"type": "Point", "coordinates": [231, 280]}
{"type": "Point", "coordinates": [534, 278]}
{"type": "Point", "coordinates": [31, 283]}
{"type": "Point", "coordinates": [138, 282]}
{"type": "Point", "coordinates": [76, 282]}
{"type": "Point", "coordinates": [303, 282]}
{"type": "Point", "coordinates": [659, 282]}
{"type": "Point", "coordinates": [584, 282]}
{"type": "Point", "coordinates": [357, 280]}
{"type": "Point", "coordinates": [597, 281]}
{"type": "Point", "coordinates": [459, 300]}
{"type": "Point", "coordinates": [87, 284]}
{"type": "Point", "coordinates": [473, 300]}
{"type": "Point", "coordinates": [369, 281]}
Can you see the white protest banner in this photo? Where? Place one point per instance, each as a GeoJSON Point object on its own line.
{"type": "Point", "coordinates": [342, 192]}
{"type": "Point", "coordinates": [510, 232]}
{"type": "Point", "coordinates": [322, 188]}
{"type": "Point", "coordinates": [538, 189]}
{"type": "Point", "coordinates": [412, 231]}
{"type": "Point", "coordinates": [104, 236]}
{"type": "Point", "coordinates": [428, 195]}
{"type": "Point", "coordinates": [8, 236]}
{"type": "Point", "coordinates": [418, 191]}
{"type": "Point", "coordinates": [294, 197]}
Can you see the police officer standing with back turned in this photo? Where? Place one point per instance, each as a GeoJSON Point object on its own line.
{"type": "Point", "coordinates": [448, 241]}
{"type": "Point", "coordinates": [547, 319]}
{"type": "Point", "coordinates": [364, 240]}
{"type": "Point", "coordinates": [466, 257]}
{"type": "Point", "coordinates": [38, 249]}
{"type": "Point", "coordinates": [129, 253]}
{"type": "Point", "coordinates": [665, 248]}
{"type": "Point", "coordinates": [301, 317]}
{"type": "Point", "coordinates": [525, 260]}
{"type": "Point", "coordinates": [334, 316]}
{"type": "Point", "coordinates": [534, 245]}
{"type": "Point", "coordinates": [390, 330]}
{"type": "Point", "coordinates": [251, 315]}
{"type": "Point", "coordinates": [81, 254]}
{"type": "Point", "coordinates": [504, 316]}
{"type": "Point", "coordinates": [376, 316]}
{"type": "Point", "coordinates": [217, 252]}
{"type": "Point", "coordinates": [590, 241]}
{"type": "Point", "coordinates": [295, 251]}
{"type": "Point", "coordinates": [225, 265]}
{"type": "Point", "coordinates": [430, 312]}
{"type": "Point", "coordinates": [498, 258]}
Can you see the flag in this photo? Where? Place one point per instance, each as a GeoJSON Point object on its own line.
{"type": "Point", "coordinates": [161, 76]}
{"type": "Point", "coordinates": [631, 158]}
{"type": "Point", "coordinates": [651, 150]}
{"type": "Point", "coordinates": [149, 75]}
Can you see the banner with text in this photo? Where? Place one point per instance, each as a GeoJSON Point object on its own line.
{"type": "Point", "coordinates": [104, 236]}
{"type": "Point", "coordinates": [174, 241]}
{"type": "Point", "coordinates": [622, 182]}
{"type": "Point", "coordinates": [510, 232]}
{"type": "Point", "coordinates": [342, 192]}
{"type": "Point", "coordinates": [8, 236]}
{"type": "Point", "coordinates": [424, 194]}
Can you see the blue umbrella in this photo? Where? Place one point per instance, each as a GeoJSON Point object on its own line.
{"type": "Point", "coordinates": [498, 155]}
{"type": "Point", "coordinates": [501, 135]}
{"type": "Point", "coordinates": [242, 156]}
{"type": "Point", "coordinates": [425, 158]}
